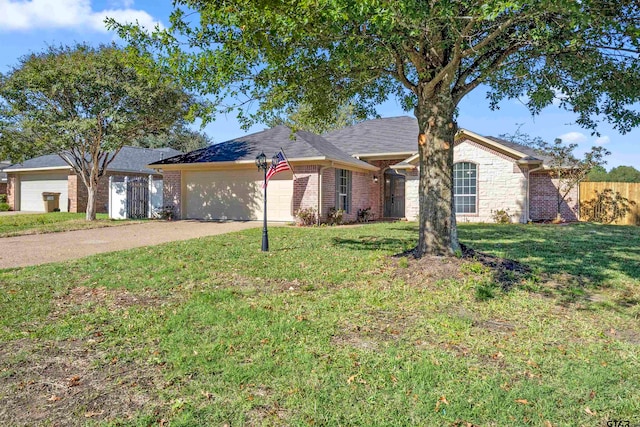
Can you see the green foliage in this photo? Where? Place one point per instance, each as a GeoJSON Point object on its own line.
{"type": "Point", "coordinates": [335, 216]}
{"type": "Point", "coordinates": [607, 207]}
{"type": "Point", "coordinates": [178, 137]}
{"type": "Point", "coordinates": [501, 216]}
{"type": "Point", "coordinates": [306, 216]}
{"type": "Point", "coordinates": [597, 174]}
{"type": "Point", "coordinates": [617, 174]}
{"type": "Point", "coordinates": [18, 225]}
{"type": "Point", "coordinates": [3, 198]}
{"type": "Point", "coordinates": [624, 174]}
{"type": "Point", "coordinates": [4, 206]}
{"type": "Point", "coordinates": [84, 104]}
{"type": "Point", "coordinates": [302, 117]}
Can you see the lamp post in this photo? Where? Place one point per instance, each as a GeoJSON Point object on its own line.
{"type": "Point", "coordinates": [261, 163]}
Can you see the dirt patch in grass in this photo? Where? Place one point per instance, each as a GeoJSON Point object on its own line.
{"type": "Point", "coordinates": [431, 269]}
{"type": "Point", "coordinates": [70, 383]}
{"type": "Point", "coordinates": [113, 299]}
{"type": "Point", "coordinates": [372, 332]}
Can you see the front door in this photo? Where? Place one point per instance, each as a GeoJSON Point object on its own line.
{"type": "Point", "coordinates": [393, 194]}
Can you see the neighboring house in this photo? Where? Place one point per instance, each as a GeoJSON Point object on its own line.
{"type": "Point", "coordinates": [3, 176]}
{"type": "Point", "coordinates": [27, 181]}
{"type": "Point", "coordinates": [372, 164]}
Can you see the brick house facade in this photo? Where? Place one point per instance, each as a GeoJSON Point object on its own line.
{"type": "Point", "coordinates": [503, 176]}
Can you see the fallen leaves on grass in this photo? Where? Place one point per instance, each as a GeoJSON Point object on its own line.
{"type": "Point", "coordinates": [441, 401]}
{"type": "Point", "coordinates": [590, 412]}
{"type": "Point", "coordinates": [522, 401]}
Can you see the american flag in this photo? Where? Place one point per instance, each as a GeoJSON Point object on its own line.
{"type": "Point", "coordinates": [281, 165]}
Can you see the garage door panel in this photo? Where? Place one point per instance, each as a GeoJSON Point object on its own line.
{"type": "Point", "coordinates": [33, 185]}
{"type": "Point", "coordinates": [237, 195]}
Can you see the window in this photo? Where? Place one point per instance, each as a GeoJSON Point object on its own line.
{"type": "Point", "coordinates": [343, 190]}
{"type": "Point", "coordinates": [465, 187]}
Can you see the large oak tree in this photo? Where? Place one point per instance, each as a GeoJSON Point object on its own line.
{"type": "Point", "coordinates": [270, 55]}
{"type": "Point", "coordinates": [85, 103]}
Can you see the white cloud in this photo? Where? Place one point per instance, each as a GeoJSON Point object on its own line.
{"type": "Point", "coordinates": [25, 15]}
{"type": "Point", "coordinates": [574, 138]}
{"type": "Point", "coordinates": [602, 140]}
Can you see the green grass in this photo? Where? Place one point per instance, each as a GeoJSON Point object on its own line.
{"type": "Point", "coordinates": [22, 224]}
{"type": "Point", "coordinates": [329, 329]}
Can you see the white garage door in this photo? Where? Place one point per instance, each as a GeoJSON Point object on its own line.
{"type": "Point", "coordinates": [33, 185]}
{"type": "Point", "coordinates": [237, 195]}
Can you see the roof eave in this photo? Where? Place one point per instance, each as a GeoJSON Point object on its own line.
{"type": "Point", "coordinates": [40, 169]}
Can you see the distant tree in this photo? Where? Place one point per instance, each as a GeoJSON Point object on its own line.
{"type": "Point", "coordinates": [84, 104]}
{"type": "Point", "coordinates": [597, 174]}
{"type": "Point", "coordinates": [179, 137]}
{"type": "Point", "coordinates": [302, 117]}
{"type": "Point", "coordinates": [624, 174]}
{"type": "Point", "coordinates": [562, 164]}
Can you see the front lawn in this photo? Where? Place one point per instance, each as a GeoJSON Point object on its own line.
{"type": "Point", "coordinates": [329, 328]}
{"type": "Point", "coordinates": [22, 224]}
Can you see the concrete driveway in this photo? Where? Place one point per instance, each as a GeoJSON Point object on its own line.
{"type": "Point", "coordinates": [37, 249]}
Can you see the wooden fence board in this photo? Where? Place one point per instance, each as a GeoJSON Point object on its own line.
{"type": "Point", "coordinates": [630, 190]}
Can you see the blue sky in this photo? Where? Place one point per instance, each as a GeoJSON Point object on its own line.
{"type": "Point", "coordinates": [31, 25]}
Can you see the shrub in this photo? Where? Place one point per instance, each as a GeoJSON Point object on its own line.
{"type": "Point", "coordinates": [4, 207]}
{"type": "Point", "coordinates": [306, 217]}
{"type": "Point", "coordinates": [334, 216]}
{"type": "Point", "coordinates": [501, 216]}
{"type": "Point", "coordinates": [365, 215]}
{"type": "Point", "coordinates": [3, 198]}
{"type": "Point", "coordinates": [167, 213]}
{"type": "Point", "coordinates": [606, 207]}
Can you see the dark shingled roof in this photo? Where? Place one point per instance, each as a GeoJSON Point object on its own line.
{"type": "Point", "coordinates": [387, 135]}
{"type": "Point", "coordinates": [531, 153]}
{"type": "Point", "coordinates": [305, 145]}
{"type": "Point", "coordinates": [129, 159]}
{"type": "Point", "coordinates": [397, 134]}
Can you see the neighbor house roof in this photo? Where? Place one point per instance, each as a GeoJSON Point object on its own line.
{"type": "Point", "coordinates": [129, 159]}
{"type": "Point", "coordinates": [301, 146]}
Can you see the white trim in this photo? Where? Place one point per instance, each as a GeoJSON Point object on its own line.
{"type": "Point", "coordinates": [43, 169]}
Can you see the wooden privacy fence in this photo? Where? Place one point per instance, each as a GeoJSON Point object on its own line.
{"type": "Point", "coordinates": [629, 190]}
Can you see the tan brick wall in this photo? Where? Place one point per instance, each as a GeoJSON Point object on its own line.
{"type": "Point", "coordinates": [500, 185]}
{"type": "Point", "coordinates": [12, 181]}
{"type": "Point", "coordinates": [543, 194]}
{"type": "Point", "coordinates": [172, 191]}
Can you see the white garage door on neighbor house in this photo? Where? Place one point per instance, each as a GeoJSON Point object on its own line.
{"type": "Point", "coordinates": [33, 185]}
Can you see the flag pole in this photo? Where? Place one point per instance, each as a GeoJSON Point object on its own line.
{"type": "Point", "coordinates": [287, 160]}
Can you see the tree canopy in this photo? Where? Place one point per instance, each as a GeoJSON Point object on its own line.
{"type": "Point", "coordinates": [85, 103]}
{"type": "Point", "coordinates": [326, 53]}
{"type": "Point", "coordinates": [180, 137]}
{"type": "Point", "coordinates": [617, 174]}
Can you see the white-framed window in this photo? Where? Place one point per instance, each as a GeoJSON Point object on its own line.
{"type": "Point", "coordinates": [343, 190]}
{"type": "Point", "coordinates": [465, 187]}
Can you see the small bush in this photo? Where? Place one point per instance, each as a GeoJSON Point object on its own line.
{"type": "Point", "coordinates": [365, 215]}
{"type": "Point", "coordinates": [3, 198]}
{"type": "Point", "coordinates": [167, 213]}
{"type": "Point", "coordinates": [306, 217]}
{"type": "Point", "coordinates": [501, 216]}
{"type": "Point", "coordinates": [4, 207]}
{"type": "Point", "coordinates": [335, 216]}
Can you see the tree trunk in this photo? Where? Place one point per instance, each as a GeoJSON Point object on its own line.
{"type": "Point", "coordinates": [92, 191]}
{"type": "Point", "coordinates": [438, 234]}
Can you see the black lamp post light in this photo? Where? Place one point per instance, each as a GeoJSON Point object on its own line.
{"type": "Point", "coordinates": [261, 163]}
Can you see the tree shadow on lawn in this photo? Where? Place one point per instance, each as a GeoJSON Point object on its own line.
{"type": "Point", "coordinates": [573, 259]}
